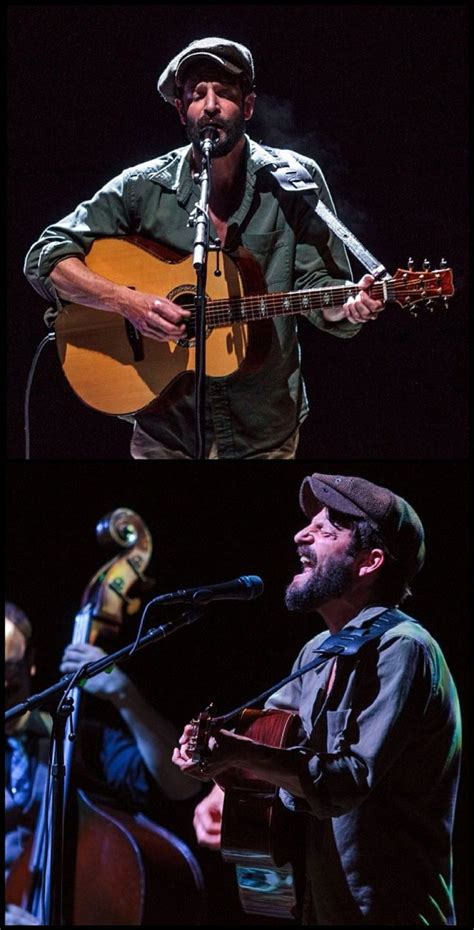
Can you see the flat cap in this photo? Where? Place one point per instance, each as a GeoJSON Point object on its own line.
{"type": "Point", "coordinates": [396, 520]}
{"type": "Point", "coordinates": [235, 58]}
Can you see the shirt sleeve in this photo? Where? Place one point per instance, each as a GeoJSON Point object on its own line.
{"type": "Point", "coordinates": [109, 764]}
{"type": "Point", "coordinates": [124, 770]}
{"type": "Point", "coordinates": [107, 213]}
{"type": "Point", "coordinates": [391, 693]}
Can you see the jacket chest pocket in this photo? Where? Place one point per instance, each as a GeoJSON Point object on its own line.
{"type": "Point", "coordinates": [270, 252]}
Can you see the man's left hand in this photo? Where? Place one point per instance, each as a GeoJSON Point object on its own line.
{"type": "Point", "coordinates": [362, 308]}
{"type": "Point", "coordinates": [224, 750]}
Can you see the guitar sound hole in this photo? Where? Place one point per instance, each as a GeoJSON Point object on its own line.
{"type": "Point", "coordinates": [184, 296]}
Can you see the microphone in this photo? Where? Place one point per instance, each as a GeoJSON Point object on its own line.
{"type": "Point", "coordinates": [209, 137]}
{"type": "Point", "coordinates": [244, 588]}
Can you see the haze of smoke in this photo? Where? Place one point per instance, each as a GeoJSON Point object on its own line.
{"type": "Point", "coordinates": [274, 123]}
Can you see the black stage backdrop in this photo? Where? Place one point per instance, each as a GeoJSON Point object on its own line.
{"type": "Point", "coordinates": [376, 93]}
{"type": "Point", "coordinates": [211, 524]}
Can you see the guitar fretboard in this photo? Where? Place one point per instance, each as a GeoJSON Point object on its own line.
{"type": "Point", "coordinates": [267, 306]}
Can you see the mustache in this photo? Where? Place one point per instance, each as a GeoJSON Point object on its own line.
{"type": "Point", "coordinates": [216, 124]}
{"type": "Point", "coordinates": [305, 552]}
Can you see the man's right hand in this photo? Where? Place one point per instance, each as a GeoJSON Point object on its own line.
{"type": "Point", "coordinates": [208, 819]}
{"type": "Point", "coordinates": [155, 317]}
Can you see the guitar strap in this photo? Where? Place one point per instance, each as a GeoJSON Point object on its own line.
{"type": "Point", "coordinates": [293, 177]}
{"type": "Point", "coordinates": [345, 643]}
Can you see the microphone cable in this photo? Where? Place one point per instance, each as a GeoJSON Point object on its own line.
{"type": "Point", "coordinates": [48, 338]}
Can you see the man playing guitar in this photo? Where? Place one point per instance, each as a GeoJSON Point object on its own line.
{"type": "Point", "coordinates": [255, 406]}
{"type": "Point", "coordinates": [376, 767]}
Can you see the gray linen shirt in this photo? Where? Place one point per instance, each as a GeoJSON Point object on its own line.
{"type": "Point", "coordinates": [246, 413]}
{"type": "Point", "coordinates": [383, 779]}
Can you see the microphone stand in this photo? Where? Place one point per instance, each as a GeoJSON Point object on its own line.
{"type": "Point", "coordinates": [200, 220]}
{"type": "Point", "coordinates": [54, 901]}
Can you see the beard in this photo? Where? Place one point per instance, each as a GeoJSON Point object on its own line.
{"type": "Point", "coordinates": [322, 584]}
{"type": "Point", "coordinates": [233, 132]}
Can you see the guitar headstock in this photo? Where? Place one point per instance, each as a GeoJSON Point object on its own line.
{"type": "Point", "coordinates": [410, 288]}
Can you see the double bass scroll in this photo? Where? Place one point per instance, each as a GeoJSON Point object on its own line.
{"type": "Point", "coordinates": [106, 595]}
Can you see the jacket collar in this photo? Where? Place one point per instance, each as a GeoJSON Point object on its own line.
{"type": "Point", "coordinates": [174, 172]}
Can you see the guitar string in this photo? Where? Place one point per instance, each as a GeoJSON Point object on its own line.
{"type": "Point", "coordinates": [258, 306]}
{"type": "Point", "coordinates": [319, 293]}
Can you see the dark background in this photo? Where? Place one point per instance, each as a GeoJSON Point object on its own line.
{"type": "Point", "coordinates": [206, 530]}
{"type": "Point", "coordinates": [376, 93]}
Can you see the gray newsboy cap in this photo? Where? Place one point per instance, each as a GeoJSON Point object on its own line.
{"type": "Point", "coordinates": [235, 58]}
{"type": "Point", "coordinates": [398, 523]}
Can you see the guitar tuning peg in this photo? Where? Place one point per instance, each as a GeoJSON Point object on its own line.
{"type": "Point", "coordinates": [413, 310]}
{"type": "Point", "coordinates": [426, 264]}
{"type": "Point", "coordinates": [430, 306]}
{"type": "Point", "coordinates": [411, 264]}
{"type": "Point", "coordinates": [443, 263]}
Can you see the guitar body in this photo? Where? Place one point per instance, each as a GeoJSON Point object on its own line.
{"type": "Point", "coordinates": [116, 370]}
{"type": "Point", "coordinates": [256, 832]}
{"type": "Point", "coordinates": [113, 368]}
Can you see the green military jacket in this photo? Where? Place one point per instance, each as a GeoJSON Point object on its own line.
{"type": "Point", "coordinates": [246, 413]}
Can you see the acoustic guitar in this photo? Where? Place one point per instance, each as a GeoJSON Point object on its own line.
{"type": "Point", "coordinates": [116, 370]}
{"type": "Point", "coordinates": [259, 836]}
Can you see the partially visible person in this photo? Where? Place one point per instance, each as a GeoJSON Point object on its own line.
{"type": "Point", "coordinates": [377, 767]}
{"type": "Point", "coordinates": [126, 759]}
{"type": "Point", "coordinates": [27, 741]}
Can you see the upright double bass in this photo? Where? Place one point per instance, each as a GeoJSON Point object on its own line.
{"type": "Point", "coordinates": [125, 869]}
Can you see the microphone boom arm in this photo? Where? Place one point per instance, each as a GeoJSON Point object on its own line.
{"type": "Point", "coordinates": [90, 669]}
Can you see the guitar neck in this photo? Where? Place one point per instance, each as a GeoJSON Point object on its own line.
{"type": "Point", "coordinates": [267, 306]}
